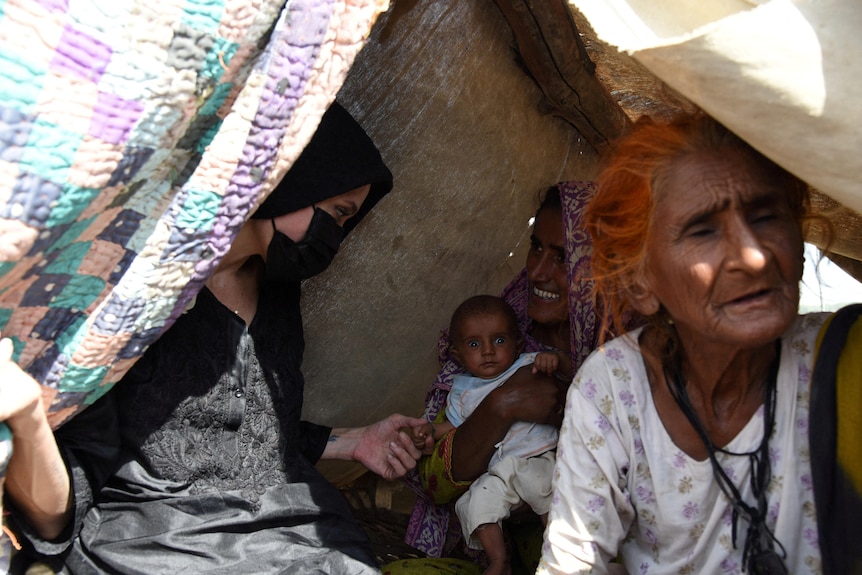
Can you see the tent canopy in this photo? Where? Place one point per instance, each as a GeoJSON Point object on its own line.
{"type": "Point", "coordinates": [128, 170]}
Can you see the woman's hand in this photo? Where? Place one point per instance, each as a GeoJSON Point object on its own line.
{"type": "Point", "coordinates": [383, 447]}
{"type": "Point", "coordinates": [36, 479]}
{"type": "Point", "coordinates": [526, 396]}
{"type": "Point", "coordinates": [20, 395]}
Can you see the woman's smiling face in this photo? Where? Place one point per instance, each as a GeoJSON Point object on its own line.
{"type": "Point", "coordinates": [546, 269]}
{"type": "Point", "coordinates": [724, 254]}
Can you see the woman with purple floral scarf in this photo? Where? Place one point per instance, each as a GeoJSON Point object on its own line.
{"type": "Point", "coordinates": [553, 300]}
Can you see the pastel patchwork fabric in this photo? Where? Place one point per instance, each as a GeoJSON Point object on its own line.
{"type": "Point", "coordinates": [136, 137]}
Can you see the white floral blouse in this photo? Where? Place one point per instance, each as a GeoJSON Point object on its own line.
{"type": "Point", "coordinates": [623, 488]}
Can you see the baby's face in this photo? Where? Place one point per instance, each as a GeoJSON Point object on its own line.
{"type": "Point", "coordinates": [485, 345]}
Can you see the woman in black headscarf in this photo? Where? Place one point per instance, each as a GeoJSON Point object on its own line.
{"type": "Point", "coordinates": [197, 461]}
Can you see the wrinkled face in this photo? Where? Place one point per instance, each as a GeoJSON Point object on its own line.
{"type": "Point", "coordinates": [546, 270]}
{"type": "Point", "coordinates": [485, 345]}
{"type": "Point", "coordinates": [342, 207]}
{"type": "Point", "coordinates": [724, 256]}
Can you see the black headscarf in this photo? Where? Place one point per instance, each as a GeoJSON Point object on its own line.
{"type": "Point", "coordinates": [340, 157]}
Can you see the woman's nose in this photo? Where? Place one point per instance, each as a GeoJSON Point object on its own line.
{"type": "Point", "coordinates": [747, 248]}
{"type": "Point", "coordinates": [540, 270]}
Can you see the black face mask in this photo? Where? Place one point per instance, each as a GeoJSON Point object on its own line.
{"type": "Point", "coordinates": [289, 261]}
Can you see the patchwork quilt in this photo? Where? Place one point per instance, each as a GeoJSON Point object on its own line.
{"type": "Point", "coordinates": [136, 137]}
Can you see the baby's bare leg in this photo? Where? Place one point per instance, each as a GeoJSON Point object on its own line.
{"type": "Point", "coordinates": [490, 535]}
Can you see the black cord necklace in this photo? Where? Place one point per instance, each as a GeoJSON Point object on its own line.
{"type": "Point", "coordinates": [759, 556]}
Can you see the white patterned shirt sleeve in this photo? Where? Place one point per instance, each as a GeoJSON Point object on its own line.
{"type": "Point", "coordinates": [591, 510]}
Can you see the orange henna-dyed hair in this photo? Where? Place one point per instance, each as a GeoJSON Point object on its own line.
{"type": "Point", "coordinates": [619, 217]}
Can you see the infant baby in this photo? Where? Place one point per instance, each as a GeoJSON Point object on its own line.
{"type": "Point", "coordinates": [485, 340]}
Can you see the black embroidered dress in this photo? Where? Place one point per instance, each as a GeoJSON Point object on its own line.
{"type": "Point", "coordinates": [197, 462]}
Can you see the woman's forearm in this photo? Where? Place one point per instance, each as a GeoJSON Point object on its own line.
{"type": "Point", "coordinates": [475, 441]}
{"type": "Point", "coordinates": [37, 480]}
{"type": "Point", "coordinates": [341, 443]}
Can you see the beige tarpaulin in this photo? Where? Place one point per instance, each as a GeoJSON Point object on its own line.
{"type": "Point", "coordinates": [786, 76]}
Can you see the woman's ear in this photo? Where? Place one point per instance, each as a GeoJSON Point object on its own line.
{"type": "Point", "coordinates": [641, 296]}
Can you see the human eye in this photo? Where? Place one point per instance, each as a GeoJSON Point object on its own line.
{"type": "Point", "coordinates": [772, 207]}
{"type": "Point", "coordinates": [473, 344]}
{"type": "Point", "coordinates": [340, 210]}
{"type": "Point", "coordinates": [699, 231]}
{"type": "Point", "coordinates": [500, 340]}
{"type": "Point", "coordinates": [342, 214]}
{"type": "Point", "coordinates": [535, 245]}
{"type": "Point", "coordinates": [699, 227]}
{"type": "Point", "coordinates": [764, 216]}
{"type": "Point", "coordinates": [345, 211]}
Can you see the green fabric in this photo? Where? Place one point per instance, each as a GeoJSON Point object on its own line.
{"type": "Point", "coordinates": [435, 474]}
{"type": "Point", "coordinates": [527, 550]}
{"type": "Point", "coordinates": [431, 567]}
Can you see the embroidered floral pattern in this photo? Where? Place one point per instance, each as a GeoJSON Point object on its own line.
{"type": "Point", "coordinates": [207, 423]}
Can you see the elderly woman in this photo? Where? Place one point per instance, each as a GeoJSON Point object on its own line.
{"type": "Point", "coordinates": [197, 461]}
{"type": "Point", "coordinates": [684, 447]}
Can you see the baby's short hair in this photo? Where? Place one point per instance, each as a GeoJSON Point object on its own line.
{"type": "Point", "coordinates": [482, 305]}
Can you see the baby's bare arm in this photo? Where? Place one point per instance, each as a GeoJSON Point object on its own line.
{"type": "Point", "coordinates": [421, 433]}
{"type": "Point", "coordinates": [440, 429]}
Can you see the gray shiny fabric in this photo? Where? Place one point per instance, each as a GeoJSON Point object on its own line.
{"type": "Point", "coordinates": [298, 527]}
